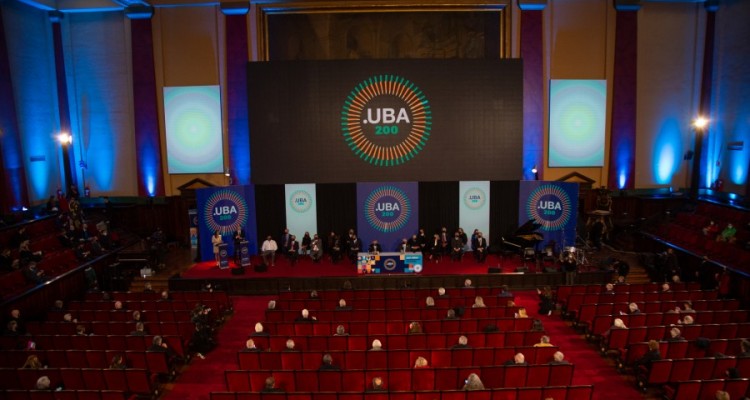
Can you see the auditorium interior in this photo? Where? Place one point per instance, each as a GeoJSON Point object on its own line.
{"type": "Point", "coordinates": [157, 155]}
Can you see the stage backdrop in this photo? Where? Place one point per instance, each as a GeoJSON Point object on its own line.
{"type": "Point", "coordinates": [387, 212]}
{"type": "Point", "coordinates": [301, 209]}
{"type": "Point", "coordinates": [474, 208]}
{"type": "Point", "coordinates": [225, 209]}
{"type": "Point", "coordinates": [553, 205]}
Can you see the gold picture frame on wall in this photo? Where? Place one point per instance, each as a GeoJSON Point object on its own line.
{"type": "Point", "coordinates": [374, 30]}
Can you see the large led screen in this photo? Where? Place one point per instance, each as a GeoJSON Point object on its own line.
{"type": "Point", "coordinates": [577, 116]}
{"type": "Point", "coordinates": [194, 136]}
{"type": "Point", "coordinates": [385, 120]}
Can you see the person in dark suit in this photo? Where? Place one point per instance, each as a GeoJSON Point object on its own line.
{"type": "Point", "coordinates": [327, 364]}
{"type": "Point", "coordinates": [293, 250]}
{"type": "Point", "coordinates": [435, 248]}
{"type": "Point", "coordinates": [414, 245]}
{"type": "Point", "coordinates": [675, 335]}
{"type": "Point", "coordinates": [32, 274]}
{"type": "Point", "coordinates": [651, 355]}
{"type": "Point", "coordinates": [558, 359]}
{"type": "Point", "coordinates": [355, 246]}
{"type": "Point", "coordinates": [285, 241]}
{"type": "Point", "coordinates": [445, 241]}
{"type": "Point", "coordinates": [479, 245]}
{"type": "Point", "coordinates": [463, 343]}
{"type": "Point", "coordinates": [239, 237]}
{"type": "Point", "coordinates": [305, 243]}
{"type": "Point", "coordinates": [457, 247]}
{"type": "Point", "coordinates": [518, 360]}
{"type": "Point", "coordinates": [139, 330]}
{"type": "Point", "coordinates": [422, 238]}
{"type": "Point", "coordinates": [250, 347]}
{"type": "Point", "coordinates": [342, 306]}
{"type": "Point", "coordinates": [270, 386]}
{"type": "Point", "coordinates": [375, 247]}
{"type": "Point", "coordinates": [403, 247]}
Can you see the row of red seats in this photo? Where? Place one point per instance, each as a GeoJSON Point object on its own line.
{"type": "Point", "coordinates": [53, 264]}
{"type": "Point", "coordinates": [693, 240]}
{"type": "Point", "coordinates": [602, 323]}
{"type": "Point", "coordinates": [144, 305]}
{"type": "Point", "coordinates": [619, 339]}
{"type": "Point", "coordinates": [667, 371]}
{"type": "Point", "coordinates": [576, 300]}
{"type": "Point", "coordinates": [401, 341]}
{"type": "Point", "coordinates": [348, 359]}
{"type": "Point", "coordinates": [38, 227]}
{"type": "Point", "coordinates": [104, 342]}
{"type": "Point", "coordinates": [402, 379]}
{"type": "Point", "coordinates": [121, 315]}
{"type": "Point", "coordinates": [564, 291]}
{"type": "Point", "coordinates": [580, 392]}
{"type": "Point", "coordinates": [137, 381]}
{"type": "Point", "coordinates": [383, 314]}
{"type": "Point", "coordinates": [327, 328]}
{"type": "Point", "coordinates": [82, 358]}
{"type": "Point", "coordinates": [176, 328]}
{"type": "Point", "coordinates": [706, 390]}
{"type": "Point", "coordinates": [189, 296]}
{"type": "Point", "coordinates": [65, 395]}
{"type": "Point", "coordinates": [723, 213]}
{"type": "Point", "coordinates": [402, 293]}
{"type": "Point", "coordinates": [684, 349]}
{"type": "Point", "coordinates": [587, 312]}
{"type": "Point", "coordinates": [391, 303]}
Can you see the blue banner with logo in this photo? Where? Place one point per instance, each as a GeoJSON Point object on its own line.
{"type": "Point", "coordinates": [474, 208]}
{"type": "Point", "coordinates": [226, 209]}
{"type": "Point", "coordinates": [301, 209]}
{"type": "Point", "coordinates": [387, 212]}
{"type": "Point", "coordinates": [553, 205]}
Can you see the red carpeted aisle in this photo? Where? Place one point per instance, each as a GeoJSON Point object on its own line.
{"type": "Point", "coordinates": [205, 376]}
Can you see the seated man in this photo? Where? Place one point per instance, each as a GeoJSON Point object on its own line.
{"type": "Point", "coordinates": [414, 245]}
{"type": "Point", "coordinates": [375, 247]}
{"type": "Point", "coordinates": [355, 246]}
{"type": "Point", "coordinates": [268, 251]}
{"type": "Point", "coordinates": [250, 346]}
{"type": "Point", "coordinates": [728, 234]}
{"type": "Point", "coordinates": [517, 360]}
{"type": "Point", "coordinates": [457, 248]}
{"type": "Point", "coordinates": [327, 364]}
{"type": "Point", "coordinates": [480, 247]}
{"type": "Point", "coordinates": [316, 249]}
{"type": "Point", "coordinates": [293, 250]}
{"type": "Point", "coordinates": [403, 247]}
{"type": "Point", "coordinates": [558, 359]}
{"type": "Point", "coordinates": [342, 306]}
{"type": "Point", "coordinates": [270, 386]}
{"type": "Point", "coordinates": [463, 343]}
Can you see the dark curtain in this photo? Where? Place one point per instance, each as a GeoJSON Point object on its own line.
{"type": "Point", "coordinates": [503, 209]}
{"type": "Point", "coordinates": [337, 208]}
{"type": "Point", "coordinates": [438, 206]}
{"type": "Point", "coordinates": [270, 210]}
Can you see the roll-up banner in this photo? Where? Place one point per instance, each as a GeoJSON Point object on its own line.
{"type": "Point", "coordinates": [301, 209]}
{"type": "Point", "coordinates": [474, 208]}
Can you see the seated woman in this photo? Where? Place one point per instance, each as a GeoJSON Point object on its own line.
{"type": "Point", "coordinates": [478, 302]}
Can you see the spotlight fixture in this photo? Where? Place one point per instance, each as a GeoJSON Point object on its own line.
{"type": "Point", "coordinates": [65, 138]}
{"type": "Point", "coordinates": [700, 122]}
{"type": "Point", "coordinates": [535, 171]}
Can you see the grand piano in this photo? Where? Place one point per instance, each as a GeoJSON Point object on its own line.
{"type": "Point", "coordinates": [526, 236]}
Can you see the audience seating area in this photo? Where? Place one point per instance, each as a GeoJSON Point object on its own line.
{"type": "Point", "coordinates": [513, 393]}
{"type": "Point", "coordinates": [692, 368]}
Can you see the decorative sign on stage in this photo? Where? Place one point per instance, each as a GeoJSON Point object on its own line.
{"type": "Point", "coordinates": [389, 263]}
{"type": "Point", "coordinates": [226, 209]}
{"type": "Point", "coordinates": [301, 209]}
{"type": "Point", "coordinates": [223, 256]}
{"type": "Point", "coordinates": [474, 207]}
{"type": "Point", "coordinates": [387, 212]}
{"type": "Point", "coordinates": [553, 205]}
{"type": "Point", "coordinates": [244, 254]}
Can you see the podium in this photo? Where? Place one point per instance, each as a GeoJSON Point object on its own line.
{"type": "Point", "coordinates": [244, 254]}
{"type": "Point", "coordinates": [223, 256]}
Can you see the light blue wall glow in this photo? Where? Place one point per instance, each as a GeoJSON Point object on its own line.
{"type": "Point", "coordinates": [668, 152]}
{"type": "Point", "coordinates": [578, 111]}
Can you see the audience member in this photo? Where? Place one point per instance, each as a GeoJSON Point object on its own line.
{"type": "Point", "coordinates": [521, 313]}
{"type": "Point", "coordinates": [618, 324]}
{"type": "Point", "coordinates": [632, 309]}
{"type": "Point", "coordinates": [478, 302]}
{"type": "Point", "coordinates": [518, 360]}
{"type": "Point", "coordinates": [421, 362]}
{"type": "Point", "coordinates": [33, 275]}
{"type": "Point", "coordinates": [728, 234]}
{"type": "Point", "coordinates": [722, 395]}
{"type": "Point", "coordinates": [473, 383]}
{"type": "Point", "coordinates": [558, 359]}
{"type": "Point", "coordinates": [467, 283]}
{"type": "Point", "coordinates": [377, 385]}
{"type": "Point", "coordinates": [259, 330]}
{"type": "Point", "coordinates": [429, 301]}
{"type": "Point", "coordinates": [250, 346]}
{"type": "Point", "coordinates": [271, 304]}
{"type": "Point", "coordinates": [139, 330]}
{"type": "Point", "coordinates": [651, 355]}
{"type": "Point", "coordinates": [290, 345]}
{"type": "Point", "coordinates": [675, 335]}
{"type": "Point", "coordinates": [415, 327]}
{"type": "Point", "coordinates": [451, 314]}
{"type": "Point", "coordinates": [341, 331]}
{"type": "Point", "coordinates": [546, 301]}
{"type": "Point", "coordinates": [328, 364]}
{"type": "Point", "coordinates": [305, 317]}
{"type": "Point", "coordinates": [118, 362]}
{"type": "Point", "coordinates": [32, 362]}
{"type": "Point", "coordinates": [543, 342]}
{"type": "Point", "coordinates": [376, 345]}
{"type": "Point", "coordinates": [147, 288]}
{"type": "Point", "coordinates": [744, 348]}
{"type": "Point", "coordinates": [342, 306]}
{"type": "Point", "coordinates": [711, 230]}
{"type": "Point", "coordinates": [463, 343]}
{"type": "Point", "coordinates": [43, 383]}
{"type": "Point", "coordinates": [269, 386]}
{"type": "Point", "coordinates": [686, 320]}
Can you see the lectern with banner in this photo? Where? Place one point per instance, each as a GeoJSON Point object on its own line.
{"type": "Point", "coordinates": [389, 263]}
{"type": "Point", "coordinates": [223, 256]}
{"type": "Point", "coordinates": [244, 254]}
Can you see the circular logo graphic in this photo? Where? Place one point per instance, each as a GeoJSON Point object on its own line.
{"type": "Point", "coordinates": [549, 205]}
{"type": "Point", "coordinates": [386, 120]}
{"type": "Point", "coordinates": [389, 264]}
{"type": "Point", "coordinates": [387, 209]}
{"type": "Point", "coordinates": [223, 253]}
{"type": "Point", "coordinates": [475, 198]}
{"type": "Point", "coordinates": [300, 201]}
{"type": "Point", "coordinates": [225, 211]}
{"type": "Point", "coordinates": [244, 251]}
{"type": "Point", "coordinates": [417, 268]}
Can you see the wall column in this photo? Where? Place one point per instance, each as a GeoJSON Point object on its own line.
{"type": "Point", "coordinates": [149, 169]}
{"type": "Point", "coordinates": [69, 164]}
{"type": "Point", "coordinates": [700, 159]}
{"type": "Point", "coordinates": [12, 175]}
{"type": "Point", "coordinates": [238, 137]}
{"type": "Point", "coordinates": [532, 54]}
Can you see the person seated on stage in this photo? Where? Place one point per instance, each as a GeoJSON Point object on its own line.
{"type": "Point", "coordinates": [421, 362]}
{"type": "Point", "coordinates": [543, 342]}
{"type": "Point", "coordinates": [269, 386]}
{"type": "Point", "coordinates": [293, 250]}
{"type": "Point", "coordinates": [403, 247]}
{"type": "Point", "coordinates": [334, 248]}
{"type": "Point", "coordinates": [342, 306]}
{"type": "Point", "coordinates": [479, 246]}
{"type": "Point", "coordinates": [414, 245]}
{"type": "Point", "coordinates": [434, 247]}
{"type": "Point", "coordinates": [271, 304]}
{"type": "Point", "coordinates": [259, 330]}
{"type": "Point", "coordinates": [728, 234]}
{"type": "Point", "coordinates": [711, 230]}
{"type": "Point", "coordinates": [305, 317]}
{"type": "Point", "coordinates": [377, 385]}
{"type": "Point", "coordinates": [473, 383]}
{"type": "Point", "coordinates": [463, 343]}
{"type": "Point", "coordinates": [305, 244]}
{"type": "Point", "coordinates": [478, 302]}
{"type": "Point", "coordinates": [558, 359]}
{"type": "Point", "coordinates": [429, 301]}
{"type": "Point", "coordinates": [518, 360]}
{"type": "Point", "coordinates": [268, 251]}
{"type": "Point", "coordinates": [457, 247]}
{"type": "Point", "coordinates": [355, 246]}
{"type": "Point", "coordinates": [375, 247]}
{"type": "Point", "coordinates": [316, 249]}
{"type": "Point", "coordinates": [290, 346]}
{"type": "Point", "coordinates": [376, 345]}
{"type": "Point", "coordinates": [414, 327]}
{"type": "Point", "coordinates": [341, 331]}
{"type": "Point", "coordinates": [327, 364]}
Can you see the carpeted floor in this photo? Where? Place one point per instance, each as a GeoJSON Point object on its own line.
{"type": "Point", "coordinates": [202, 377]}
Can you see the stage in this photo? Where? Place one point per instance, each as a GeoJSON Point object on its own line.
{"type": "Point", "coordinates": [307, 275]}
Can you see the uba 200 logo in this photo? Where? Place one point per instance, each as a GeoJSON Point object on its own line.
{"type": "Point", "coordinates": [225, 211]}
{"type": "Point", "coordinates": [550, 206]}
{"type": "Point", "coordinates": [300, 201]}
{"type": "Point", "coordinates": [475, 198]}
{"type": "Point", "coordinates": [386, 120]}
{"type": "Point", "coordinates": [387, 209]}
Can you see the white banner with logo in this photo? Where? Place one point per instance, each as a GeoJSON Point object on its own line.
{"type": "Point", "coordinates": [301, 209]}
{"type": "Point", "coordinates": [474, 208]}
